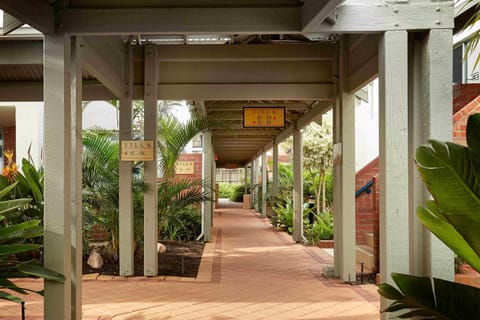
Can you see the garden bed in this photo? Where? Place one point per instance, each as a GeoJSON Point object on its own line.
{"type": "Point", "coordinates": [181, 259]}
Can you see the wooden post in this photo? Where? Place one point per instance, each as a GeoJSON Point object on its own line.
{"type": "Point", "coordinates": [207, 206]}
{"type": "Point", "coordinates": [58, 171]}
{"type": "Point", "coordinates": [151, 197]}
{"type": "Point", "coordinates": [297, 186]}
{"type": "Point", "coordinates": [76, 179]}
{"type": "Point", "coordinates": [264, 184]}
{"type": "Point", "coordinates": [252, 183]}
{"type": "Point", "coordinates": [275, 176]}
{"type": "Point", "coordinates": [126, 222]}
{"type": "Point", "coordinates": [430, 117]}
{"type": "Point", "coordinates": [394, 203]}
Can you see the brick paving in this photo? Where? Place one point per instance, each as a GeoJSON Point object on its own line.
{"type": "Point", "coordinates": [247, 272]}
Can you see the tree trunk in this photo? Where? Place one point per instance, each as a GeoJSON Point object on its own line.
{"type": "Point", "coordinates": [324, 200]}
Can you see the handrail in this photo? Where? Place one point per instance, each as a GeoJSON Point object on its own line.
{"type": "Point", "coordinates": [367, 188]}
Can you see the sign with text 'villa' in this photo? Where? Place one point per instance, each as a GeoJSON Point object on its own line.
{"type": "Point", "coordinates": [137, 150]}
{"type": "Point", "coordinates": [264, 117]}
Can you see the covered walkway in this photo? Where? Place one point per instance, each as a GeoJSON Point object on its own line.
{"type": "Point", "coordinates": [248, 272]}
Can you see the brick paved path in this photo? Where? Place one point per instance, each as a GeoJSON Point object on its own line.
{"type": "Point", "coordinates": [248, 272]}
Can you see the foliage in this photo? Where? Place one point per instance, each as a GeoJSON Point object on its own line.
{"type": "Point", "coordinates": [237, 193]}
{"type": "Point", "coordinates": [282, 219]}
{"type": "Point", "coordinates": [322, 228]}
{"type": "Point", "coordinates": [13, 239]}
{"type": "Point", "coordinates": [227, 189]}
{"type": "Point", "coordinates": [183, 225]}
{"type": "Point", "coordinates": [475, 38]}
{"type": "Point", "coordinates": [176, 194]}
{"type": "Point", "coordinates": [28, 184]}
{"type": "Point", "coordinates": [318, 159]}
{"type": "Point", "coordinates": [451, 173]}
{"type": "Point", "coordinates": [173, 136]}
{"type": "Point", "coordinates": [444, 300]}
{"type": "Point", "coordinates": [100, 186]}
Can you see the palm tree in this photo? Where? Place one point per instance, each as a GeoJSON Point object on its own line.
{"type": "Point", "coordinates": [175, 194]}
{"type": "Point", "coordinates": [100, 185]}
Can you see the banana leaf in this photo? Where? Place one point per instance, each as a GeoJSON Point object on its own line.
{"type": "Point", "coordinates": [451, 173]}
{"type": "Point", "coordinates": [10, 205]}
{"type": "Point", "coordinates": [6, 190]}
{"type": "Point", "coordinates": [418, 297]}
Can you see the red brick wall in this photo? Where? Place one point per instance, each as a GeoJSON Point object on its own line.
{"type": "Point", "coordinates": [366, 205]}
{"type": "Point", "coordinates": [460, 120]}
{"type": "Point", "coordinates": [463, 94]}
{"type": "Point", "coordinates": [9, 140]}
{"type": "Point", "coordinates": [197, 159]}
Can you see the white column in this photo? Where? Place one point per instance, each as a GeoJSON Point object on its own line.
{"type": "Point", "coordinates": [430, 117]}
{"type": "Point", "coordinates": [275, 176]}
{"type": "Point", "coordinates": [151, 197]}
{"type": "Point", "coordinates": [126, 222]}
{"type": "Point", "coordinates": [337, 189]}
{"type": "Point", "coordinates": [347, 212]}
{"type": "Point", "coordinates": [256, 195]}
{"type": "Point", "coordinates": [297, 186]}
{"type": "Point", "coordinates": [58, 171]}
{"type": "Point", "coordinates": [344, 174]}
{"type": "Point", "coordinates": [207, 206]}
{"type": "Point", "coordinates": [264, 184]}
{"type": "Point", "coordinates": [76, 179]}
{"type": "Point", "coordinates": [394, 236]}
{"type": "Point", "coordinates": [252, 183]}
{"type": "Point", "coordinates": [245, 179]}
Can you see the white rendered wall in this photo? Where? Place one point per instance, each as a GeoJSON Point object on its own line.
{"type": "Point", "coordinates": [100, 114]}
{"type": "Point", "coordinates": [29, 130]}
{"type": "Point", "coordinates": [366, 127]}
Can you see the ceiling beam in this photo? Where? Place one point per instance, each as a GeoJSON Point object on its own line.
{"type": "Point", "coordinates": [238, 106]}
{"type": "Point", "coordinates": [21, 52]}
{"type": "Point", "coordinates": [104, 59]}
{"type": "Point", "coordinates": [250, 91]}
{"type": "Point", "coordinates": [200, 105]}
{"type": "Point", "coordinates": [248, 52]}
{"type": "Point", "coordinates": [315, 12]}
{"type": "Point", "coordinates": [361, 18]}
{"type": "Point", "coordinates": [10, 23]}
{"type": "Point", "coordinates": [36, 13]}
{"type": "Point", "coordinates": [179, 20]}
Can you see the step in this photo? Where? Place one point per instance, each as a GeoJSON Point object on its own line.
{"type": "Point", "coordinates": [364, 254]}
{"type": "Point", "coordinates": [370, 239]}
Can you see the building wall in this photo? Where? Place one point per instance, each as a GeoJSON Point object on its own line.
{"type": "Point", "coordinates": [9, 142]}
{"type": "Point", "coordinates": [197, 161]}
{"type": "Point", "coordinates": [460, 120]}
{"type": "Point", "coordinates": [366, 205]}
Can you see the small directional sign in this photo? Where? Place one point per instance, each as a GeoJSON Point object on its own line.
{"type": "Point", "coordinates": [137, 150]}
{"type": "Point", "coordinates": [264, 117]}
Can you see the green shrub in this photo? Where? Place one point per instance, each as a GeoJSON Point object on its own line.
{"type": "Point", "coordinates": [184, 224]}
{"type": "Point", "coordinates": [226, 189]}
{"type": "Point", "coordinates": [238, 192]}
{"type": "Point", "coordinates": [321, 229]}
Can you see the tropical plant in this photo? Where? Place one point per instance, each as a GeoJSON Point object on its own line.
{"type": "Point", "coordinates": [318, 159]}
{"type": "Point", "coordinates": [451, 173]}
{"type": "Point", "coordinates": [282, 219]}
{"type": "Point", "coordinates": [174, 193]}
{"type": "Point", "coordinates": [100, 186]}
{"type": "Point", "coordinates": [475, 37]}
{"type": "Point", "coordinates": [12, 243]}
{"type": "Point", "coordinates": [237, 193]}
{"type": "Point", "coordinates": [321, 229]}
{"type": "Point", "coordinates": [184, 224]}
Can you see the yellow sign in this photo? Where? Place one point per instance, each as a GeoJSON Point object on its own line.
{"type": "Point", "coordinates": [185, 167]}
{"type": "Point", "coordinates": [263, 117]}
{"type": "Point", "coordinates": [137, 150]}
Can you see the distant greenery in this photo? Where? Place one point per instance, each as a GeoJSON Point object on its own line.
{"type": "Point", "coordinates": [226, 189]}
{"type": "Point", "coordinates": [238, 192]}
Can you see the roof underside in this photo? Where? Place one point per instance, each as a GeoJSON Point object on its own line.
{"type": "Point", "coordinates": [220, 54]}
